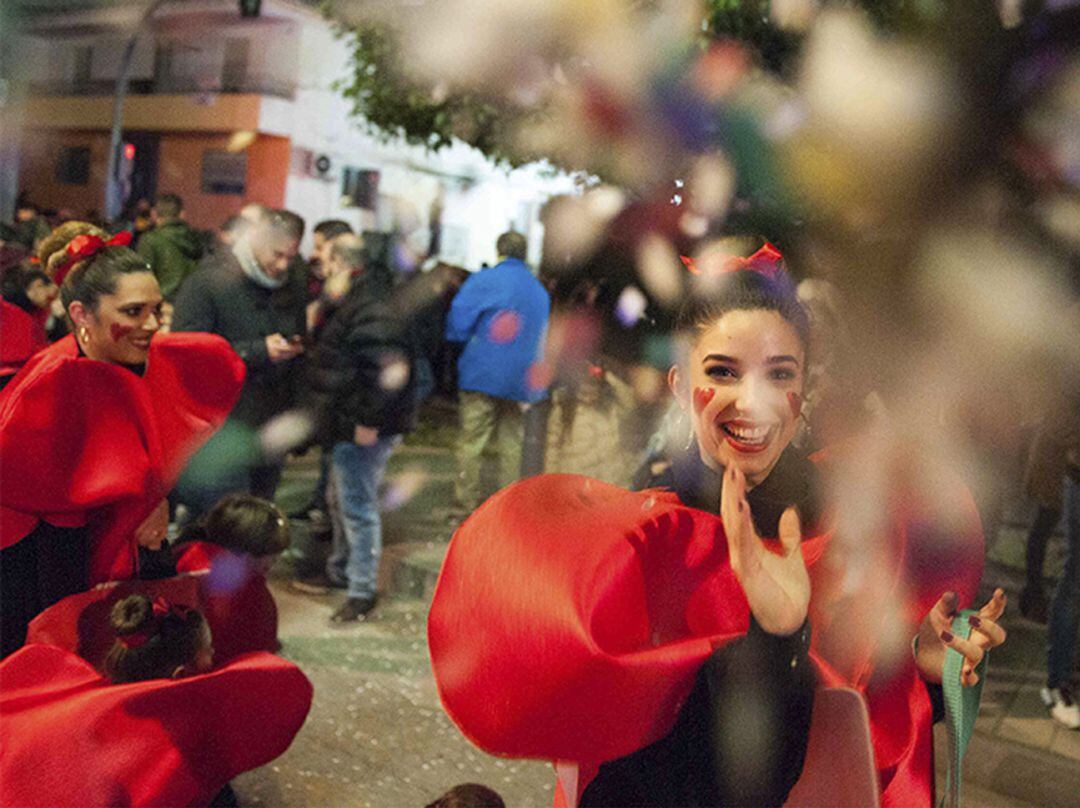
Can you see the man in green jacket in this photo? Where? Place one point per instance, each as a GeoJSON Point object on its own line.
{"type": "Point", "coordinates": [172, 248]}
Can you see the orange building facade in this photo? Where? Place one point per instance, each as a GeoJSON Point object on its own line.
{"type": "Point", "coordinates": [212, 153]}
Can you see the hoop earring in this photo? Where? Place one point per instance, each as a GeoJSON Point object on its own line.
{"type": "Point", "coordinates": [84, 333]}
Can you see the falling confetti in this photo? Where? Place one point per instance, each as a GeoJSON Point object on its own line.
{"type": "Point", "coordinates": [631, 306]}
{"type": "Point", "coordinates": [505, 327]}
{"type": "Point", "coordinates": [285, 432]}
{"type": "Point", "coordinates": [394, 374]}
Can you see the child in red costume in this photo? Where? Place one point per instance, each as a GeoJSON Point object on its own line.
{"type": "Point", "coordinates": [70, 737]}
{"type": "Point", "coordinates": [157, 640]}
{"type": "Point", "coordinates": [169, 730]}
{"type": "Point", "coordinates": [95, 429]}
{"type": "Point", "coordinates": [233, 546]}
{"type": "Point", "coordinates": [218, 566]}
{"type": "Point", "coordinates": [659, 644]}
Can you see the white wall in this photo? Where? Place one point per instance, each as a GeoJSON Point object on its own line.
{"type": "Point", "coordinates": [480, 200]}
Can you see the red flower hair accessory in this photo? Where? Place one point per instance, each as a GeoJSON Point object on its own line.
{"type": "Point", "coordinates": [161, 609]}
{"type": "Point", "coordinates": [87, 246]}
{"type": "Point", "coordinates": [767, 261]}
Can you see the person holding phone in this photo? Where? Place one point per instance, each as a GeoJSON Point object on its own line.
{"type": "Point", "coordinates": [254, 296]}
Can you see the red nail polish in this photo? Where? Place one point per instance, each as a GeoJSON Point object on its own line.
{"type": "Point", "coordinates": [946, 636]}
{"type": "Point", "coordinates": [974, 622]}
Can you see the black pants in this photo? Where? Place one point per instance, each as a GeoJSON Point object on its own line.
{"type": "Point", "coordinates": [48, 564]}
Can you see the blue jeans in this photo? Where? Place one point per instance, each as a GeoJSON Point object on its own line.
{"type": "Point", "coordinates": [1065, 608]}
{"type": "Point", "coordinates": [353, 498]}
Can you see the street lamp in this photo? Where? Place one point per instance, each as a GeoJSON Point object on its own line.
{"type": "Point", "coordinates": [113, 193]}
{"type": "Point", "coordinates": [113, 185]}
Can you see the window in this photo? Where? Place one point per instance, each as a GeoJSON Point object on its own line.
{"type": "Point", "coordinates": [360, 188]}
{"type": "Point", "coordinates": [223, 172]}
{"type": "Point", "coordinates": [84, 59]}
{"type": "Point", "coordinates": [234, 71]}
{"type": "Point", "coordinates": [73, 165]}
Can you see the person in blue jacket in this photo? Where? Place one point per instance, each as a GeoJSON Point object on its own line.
{"type": "Point", "coordinates": [500, 314]}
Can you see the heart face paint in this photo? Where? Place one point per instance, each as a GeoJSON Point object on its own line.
{"type": "Point", "coordinates": [702, 397]}
{"type": "Point", "coordinates": [118, 332]}
{"type": "Point", "coordinates": [794, 401]}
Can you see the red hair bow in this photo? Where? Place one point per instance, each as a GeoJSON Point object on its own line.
{"type": "Point", "coordinates": [767, 261]}
{"type": "Point", "coordinates": [87, 246]}
{"type": "Point", "coordinates": [161, 609]}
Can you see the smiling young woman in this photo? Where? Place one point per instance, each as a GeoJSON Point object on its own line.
{"type": "Point", "coordinates": [666, 644]}
{"type": "Point", "coordinates": [94, 429]}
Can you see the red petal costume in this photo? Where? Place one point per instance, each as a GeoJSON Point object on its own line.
{"type": "Point", "coordinates": [86, 441]}
{"type": "Point", "coordinates": [598, 606]}
{"type": "Point", "coordinates": [235, 602]}
{"type": "Point", "coordinates": [233, 594]}
{"type": "Point", "coordinates": [69, 737]}
{"type": "Point", "coordinates": [23, 336]}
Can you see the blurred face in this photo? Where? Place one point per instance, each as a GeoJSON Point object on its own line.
{"type": "Point", "coordinates": [274, 251]}
{"type": "Point", "coordinates": [121, 327]}
{"type": "Point", "coordinates": [41, 293]}
{"type": "Point", "coordinates": [742, 385]}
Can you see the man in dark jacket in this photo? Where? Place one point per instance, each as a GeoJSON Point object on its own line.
{"type": "Point", "coordinates": [253, 296]}
{"type": "Point", "coordinates": [361, 386]}
{"type": "Point", "coordinates": [172, 248]}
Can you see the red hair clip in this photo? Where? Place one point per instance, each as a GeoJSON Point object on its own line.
{"type": "Point", "coordinates": [87, 246]}
{"type": "Point", "coordinates": [160, 609]}
{"type": "Point", "coordinates": [767, 261]}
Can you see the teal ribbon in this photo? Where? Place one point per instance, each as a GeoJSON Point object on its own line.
{"type": "Point", "coordinates": [961, 709]}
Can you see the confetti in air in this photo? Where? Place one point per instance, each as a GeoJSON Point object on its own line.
{"type": "Point", "coordinates": [505, 327]}
{"type": "Point", "coordinates": [403, 487]}
{"type": "Point", "coordinates": [631, 306]}
{"type": "Point", "coordinates": [285, 432]}
{"type": "Point", "coordinates": [394, 375]}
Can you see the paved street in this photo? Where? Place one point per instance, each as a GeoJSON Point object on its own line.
{"type": "Point", "coordinates": [376, 735]}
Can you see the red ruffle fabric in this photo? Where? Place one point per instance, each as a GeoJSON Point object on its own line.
{"type": "Point", "coordinates": [81, 438]}
{"type": "Point", "coordinates": [236, 603]}
{"type": "Point", "coordinates": [23, 336]}
{"type": "Point", "coordinates": [69, 737]}
{"type": "Point", "coordinates": [598, 605]}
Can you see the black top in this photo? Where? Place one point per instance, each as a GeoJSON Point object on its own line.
{"type": "Point", "coordinates": [794, 480]}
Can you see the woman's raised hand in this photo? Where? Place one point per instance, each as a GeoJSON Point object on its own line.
{"type": "Point", "coordinates": [935, 636]}
{"type": "Point", "coordinates": [777, 585]}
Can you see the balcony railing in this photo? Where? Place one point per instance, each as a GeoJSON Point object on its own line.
{"type": "Point", "coordinates": [169, 85]}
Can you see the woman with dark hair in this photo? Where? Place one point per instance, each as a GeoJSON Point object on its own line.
{"type": "Point", "coordinates": [95, 429]}
{"type": "Point", "coordinates": [666, 645]}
